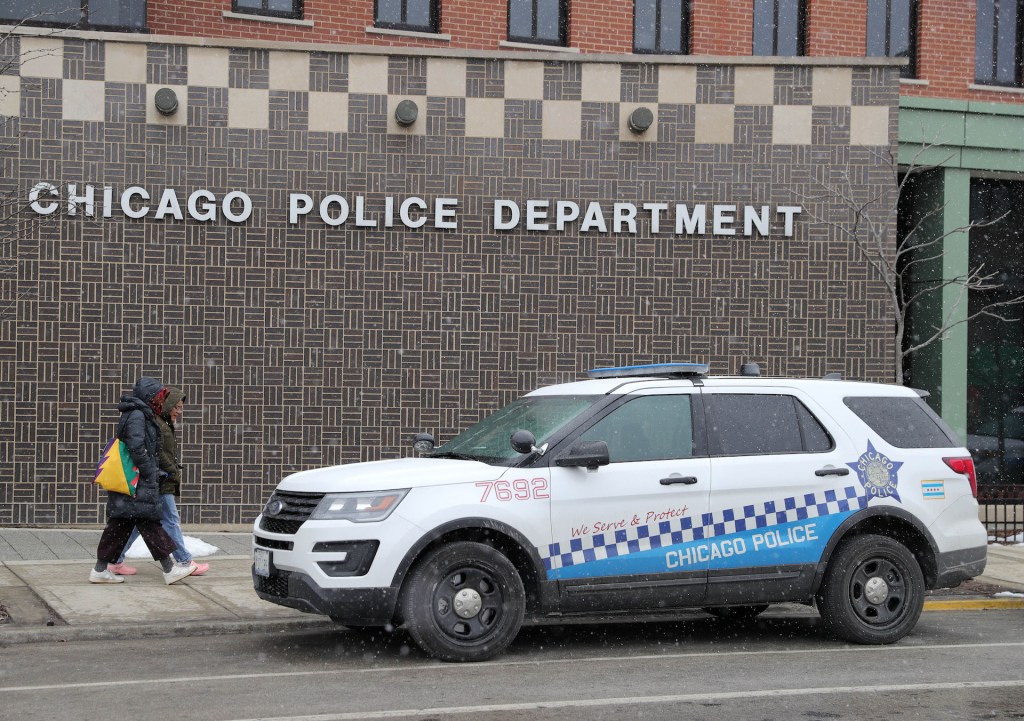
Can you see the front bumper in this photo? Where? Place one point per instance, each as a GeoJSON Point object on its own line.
{"type": "Point", "coordinates": [955, 567]}
{"type": "Point", "coordinates": [349, 606]}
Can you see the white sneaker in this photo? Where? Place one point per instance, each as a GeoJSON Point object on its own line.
{"type": "Point", "coordinates": [104, 576]}
{"type": "Point", "coordinates": [179, 572]}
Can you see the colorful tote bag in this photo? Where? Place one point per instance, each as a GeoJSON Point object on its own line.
{"type": "Point", "coordinates": [116, 471]}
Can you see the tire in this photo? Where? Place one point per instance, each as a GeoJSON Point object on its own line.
{"type": "Point", "coordinates": [476, 578]}
{"type": "Point", "coordinates": [737, 614]}
{"type": "Point", "coordinates": [873, 591]}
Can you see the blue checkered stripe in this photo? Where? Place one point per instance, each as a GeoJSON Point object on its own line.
{"type": "Point", "coordinates": [622, 542]}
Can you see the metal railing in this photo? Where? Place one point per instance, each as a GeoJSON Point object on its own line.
{"type": "Point", "coordinates": [1002, 511]}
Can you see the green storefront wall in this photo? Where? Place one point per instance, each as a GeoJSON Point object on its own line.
{"type": "Point", "coordinates": [956, 140]}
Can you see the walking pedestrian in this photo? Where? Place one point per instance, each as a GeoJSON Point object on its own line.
{"type": "Point", "coordinates": [170, 487]}
{"type": "Point", "coordinates": [138, 431]}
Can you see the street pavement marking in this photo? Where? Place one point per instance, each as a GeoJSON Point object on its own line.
{"type": "Point", "coordinates": [633, 700]}
{"type": "Point", "coordinates": [405, 669]}
{"type": "Point", "coordinates": [974, 604]}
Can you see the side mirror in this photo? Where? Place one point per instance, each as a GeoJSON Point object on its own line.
{"type": "Point", "coordinates": [585, 454]}
{"type": "Point", "coordinates": [523, 441]}
{"type": "Point", "coordinates": [424, 442]}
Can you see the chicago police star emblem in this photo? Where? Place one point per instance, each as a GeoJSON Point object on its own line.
{"type": "Point", "coordinates": [877, 473]}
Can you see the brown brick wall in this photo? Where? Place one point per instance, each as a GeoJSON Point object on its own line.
{"type": "Point", "coordinates": [836, 28]}
{"type": "Point", "coordinates": [304, 345]}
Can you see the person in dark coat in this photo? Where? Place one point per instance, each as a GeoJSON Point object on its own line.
{"type": "Point", "coordinates": [170, 487]}
{"type": "Point", "coordinates": [138, 431]}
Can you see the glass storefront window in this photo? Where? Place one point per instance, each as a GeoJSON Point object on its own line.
{"type": "Point", "coordinates": [995, 363]}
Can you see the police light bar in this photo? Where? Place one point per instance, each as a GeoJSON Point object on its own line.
{"type": "Point", "coordinates": [654, 370]}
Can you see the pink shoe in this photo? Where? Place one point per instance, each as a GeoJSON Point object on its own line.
{"type": "Point", "coordinates": [201, 568]}
{"type": "Point", "coordinates": [121, 569]}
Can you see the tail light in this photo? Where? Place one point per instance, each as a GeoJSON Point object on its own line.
{"type": "Point", "coordinates": [964, 466]}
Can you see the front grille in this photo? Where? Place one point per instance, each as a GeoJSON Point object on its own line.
{"type": "Point", "coordinates": [276, 545]}
{"type": "Point", "coordinates": [274, 585]}
{"type": "Point", "coordinates": [297, 508]}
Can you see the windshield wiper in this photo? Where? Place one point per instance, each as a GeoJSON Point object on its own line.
{"type": "Point", "coordinates": [454, 454]}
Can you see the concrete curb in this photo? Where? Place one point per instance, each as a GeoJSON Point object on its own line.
{"type": "Point", "coordinates": [129, 632]}
{"type": "Point", "coordinates": [974, 604]}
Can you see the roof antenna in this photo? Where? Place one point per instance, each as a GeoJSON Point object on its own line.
{"type": "Point", "coordinates": [750, 369]}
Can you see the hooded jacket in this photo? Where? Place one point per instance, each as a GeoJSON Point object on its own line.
{"type": "Point", "coordinates": [170, 453]}
{"type": "Point", "coordinates": [141, 436]}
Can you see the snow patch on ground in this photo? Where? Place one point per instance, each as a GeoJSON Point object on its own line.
{"type": "Point", "coordinates": [1009, 594]}
{"type": "Point", "coordinates": [195, 546]}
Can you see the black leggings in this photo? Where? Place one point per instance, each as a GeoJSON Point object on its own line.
{"type": "Point", "coordinates": [116, 534]}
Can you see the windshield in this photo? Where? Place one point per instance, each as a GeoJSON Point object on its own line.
{"type": "Point", "coordinates": [488, 440]}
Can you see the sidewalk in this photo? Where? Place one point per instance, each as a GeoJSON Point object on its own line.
{"type": "Point", "coordinates": [45, 590]}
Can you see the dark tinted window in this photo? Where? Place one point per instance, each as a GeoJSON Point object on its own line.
{"type": "Point", "coordinates": [816, 438]}
{"type": "Point", "coordinates": [997, 42]}
{"type": "Point", "coordinates": [892, 31]}
{"type": "Point", "coordinates": [754, 424]}
{"type": "Point", "coordinates": [418, 15]}
{"type": "Point", "coordinates": [903, 422]}
{"type": "Point", "coordinates": [648, 428]}
{"type": "Point", "coordinates": [779, 27]}
{"type": "Point", "coordinates": [280, 8]}
{"type": "Point", "coordinates": [105, 14]}
{"type": "Point", "coordinates": [661, 26]}
{"type": "Point", "coordinates": [537, 21]}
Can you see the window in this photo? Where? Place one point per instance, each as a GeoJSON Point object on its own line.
{"type": "Point", "coordinates": [421, 15]}
{"type": "Point", "coordinates": [760, 424]}
{"type": "Point", "coordinates": [997, 59]}
{"type": "Point", "coordinates": [649, 428]}
{"type": "Point", "coordinates": [274, 8]}
{"type": "Point", "coordinates": [537, 21]}
{"type": "Point", "coordinates": [88, 14]}
{"type": "Point", "coordinates": [488, 440]}
{"type": "Point", "coordinates": [661, 26]}
{"type": "Point", "coordinates": [892, 31]}
{"type": "Point", "coordinates": [903, 422]}
{"type": "Point", "coordinates": [779, 27]}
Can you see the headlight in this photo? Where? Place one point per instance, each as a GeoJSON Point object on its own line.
{"type": "Point", "coordinates": [358, 507]}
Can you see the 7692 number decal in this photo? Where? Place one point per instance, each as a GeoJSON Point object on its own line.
{"type": "Point", "coordinates": [520, 489]}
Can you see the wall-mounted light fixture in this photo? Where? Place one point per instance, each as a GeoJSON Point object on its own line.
{"type": "Point", "coordinates": [166, 101]}
{"type": "Point", "coordinates": [406, 113]}
{"type": "Point", "coordinates": [640, 120]}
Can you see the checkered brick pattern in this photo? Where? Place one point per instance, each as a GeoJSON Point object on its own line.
{"type": "Point", "coordinates": [599, 546]}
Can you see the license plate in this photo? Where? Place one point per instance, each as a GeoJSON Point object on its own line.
{"type": "Point", "coordinates": [261, 559]}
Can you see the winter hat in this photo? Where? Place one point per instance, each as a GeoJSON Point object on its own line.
{"type": "Point", "coordinates": [173, 396]}
{"type": "Point", "coordinates": [146, 388]}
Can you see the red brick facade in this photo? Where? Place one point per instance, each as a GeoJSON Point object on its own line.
{"type": "Point", "coordinates": [718, 28]}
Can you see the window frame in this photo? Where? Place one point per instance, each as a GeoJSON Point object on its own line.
{"type": "Point", "coordinates": [801, 28]}
{"type": "Point", "coordinates": [913, 14]}
{"type": "Point", "coordinates": [993, 59]}
{"type": "Point", "coordinates": [295, 13]}
{"type": "Point", "coordinates": [684, 29]}
{"type": "Point", "coordinates": [563, 24]}
{"type": "Point", "coordinates": [433, 23]}
{"type": "Point", "coordinates": [83, 22]}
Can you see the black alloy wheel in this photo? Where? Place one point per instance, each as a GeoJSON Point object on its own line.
{"type": "Point", "coordinates": [463, 602]}
{"type": "Point", "coordinates": [873, 591]}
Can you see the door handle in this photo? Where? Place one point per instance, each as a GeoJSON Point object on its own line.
{"type": "Point", "coordinates": [832, 472]}
{"type": "Point", "coordinates": [686, 480]}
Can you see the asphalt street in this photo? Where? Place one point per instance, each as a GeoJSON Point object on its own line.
{"type": "Point", "coordinates": [956, 665]}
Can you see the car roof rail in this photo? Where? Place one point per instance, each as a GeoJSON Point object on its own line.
{"type": "Point", "coordinates": [653, 370]}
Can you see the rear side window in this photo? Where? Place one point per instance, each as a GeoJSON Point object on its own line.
{"type": "Point", "coordinates": [901, 421]}
{"type": "Point", "coordinates": [748, 424]}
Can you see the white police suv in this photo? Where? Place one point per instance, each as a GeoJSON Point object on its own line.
{"type": "Point", "coordinates": [644, 488]}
